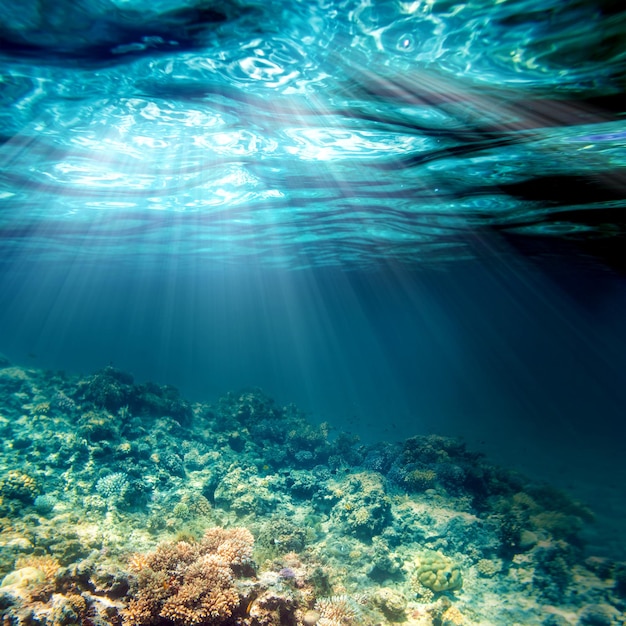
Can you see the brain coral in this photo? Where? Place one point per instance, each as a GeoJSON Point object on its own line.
{"type": "Point", "coordinates": [189, 583]}
{"type": "Point", "coordinates": [437, 572]}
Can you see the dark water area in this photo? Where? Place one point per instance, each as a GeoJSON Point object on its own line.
{"type": "Point", "coordinates": [406, 218]}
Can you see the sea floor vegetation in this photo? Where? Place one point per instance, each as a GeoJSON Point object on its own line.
{"type": "Point", "coordinates": [123, 504]}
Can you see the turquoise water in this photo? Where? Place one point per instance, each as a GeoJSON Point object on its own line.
{"type": "Point", "coordinates": [407, 218]}
{"type": "Point", "coordinates": [307, 133]}
{"type": "Point", "coordinates": [366, 208]}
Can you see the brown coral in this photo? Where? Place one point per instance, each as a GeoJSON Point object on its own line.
{"type": "Point", "coordinates": [45, 563]}
{"type": "Point", "coordinates": [234, 545]}
{"type": "Point", "coordinates": [190, 582]}
{"type": "Point", "coordinates": [19, 486]}
{"type": "Point", "coordinates": [207, 594]}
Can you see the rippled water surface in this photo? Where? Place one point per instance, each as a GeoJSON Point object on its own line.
{"type": "Point", "coordinates": [308, 132]}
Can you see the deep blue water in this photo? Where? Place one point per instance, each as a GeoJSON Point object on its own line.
{"type": "Point", "coordinates": [402, 216]}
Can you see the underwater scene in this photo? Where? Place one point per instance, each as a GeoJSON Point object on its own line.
{"type": "Point", "coordinates": [312, 313]}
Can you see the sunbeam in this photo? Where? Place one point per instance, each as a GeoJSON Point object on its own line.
{"type": "Point", "coordinates": [311, 313]}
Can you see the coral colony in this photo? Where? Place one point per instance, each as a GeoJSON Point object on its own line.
{"type": "Point", "coordinates": [124, 504]}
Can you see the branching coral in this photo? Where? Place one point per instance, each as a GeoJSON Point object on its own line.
{"type": "Point", "coordinates": [234, 545]}
{"type": "Point", "coordinates": [190, 583]}
{"type": "Point", "coordinates": [206, 595]}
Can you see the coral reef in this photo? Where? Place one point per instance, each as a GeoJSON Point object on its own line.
{"type": "Point", "coordinates": [189, 583]}
{"type": "Point", "coordinates": [18, 485]}
{"type": "Point", "coordinates": [337, 611]}
{"type": "Point", "coordinates": [437, 572]}
{"type": "Point", "coordinates": [364, 508]}
{"type": "Point", "coordinates": [121, 503]}
{"type": "Point", "coordinates": [391, 602]}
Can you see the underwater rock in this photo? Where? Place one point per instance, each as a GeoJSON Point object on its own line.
{"type": "Point", "coordinates": [66, 610]}
{"type": "Point", "coordinates": [249, 408]}
{"type": "Point", "coordinates": [15, 387]}
{"type": "Point", "coordinates": [432, 449]}
{"type": "Point", "coordinates": [110, 389]}
{"type": "Point", "coordinates": [303, 484]}
{"type": "Point", "coordinates": [273, 608]}
{"type": "Point", "coordinates": [555, 620]}
{"type": "Point", "coordinates": [115, 391]}
{"type": "Point", "coordinates": [620, 579]}
{"type": "Point", "coordinates": [553, 570]}
{"type": "Point", "coordinates": [161, 400]}
{"type": "Point", "coordinates": [243, 491]}
{"type": "Point", "coordinates": [280, 535]}
{"type": "Point", "coordinates": [173, 463]}
{"type": "Point", "coordinates": [391, 602]}
{"type": "Point", "coordinates": [597, 615]}
{"type": "Point", "coordinates": [385, 564]}
{"type": "Point", "coordinates": [98, 426]}
{"type": "Point", "coordinates": [364, 509]}
{"type": "Point", "coordinates": [381, 456]}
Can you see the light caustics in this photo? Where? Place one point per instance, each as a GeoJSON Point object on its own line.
{"type": "Point", "coordinates": [358, 132]}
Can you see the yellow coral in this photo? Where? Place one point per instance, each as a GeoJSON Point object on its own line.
{"type": "Point", "coordinates": [489, 567]}
{"type": "Point", "coordinates": [198, 505]}
{"type": "Point", "coordinates": [41, 409]}
{"type": "Point", "coordinates": [138, 562]}
{"type": "Point", "coordinates": [438, 572]}
{"type": "Point", "coordinates": [23, 577]}
{"type": "Point", "coordinates": [524, 500]}
{"type": "Point", "coordinates": [206, 594]}
{"type": "Point", "coordinates": [361, 516]}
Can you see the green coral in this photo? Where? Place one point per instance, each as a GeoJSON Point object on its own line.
{"type": "Point", "coordinates": [437, 572]}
